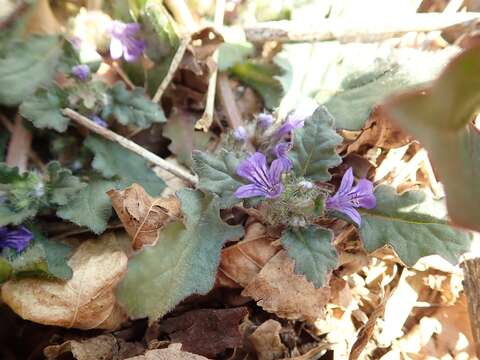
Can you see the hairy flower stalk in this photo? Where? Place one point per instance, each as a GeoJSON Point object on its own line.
{"type": "Point", "coordinates": [16, 238]}
{"type": "Point", "coordinates": [348, 197]}
{"type": "Point", "coordinates": [124, 41]}
{"type": "Point", "coordinates": [264, 181]}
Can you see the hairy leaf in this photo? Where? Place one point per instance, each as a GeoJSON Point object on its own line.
{"type": "Point", "coordinates": [113, 160]}
{"type": "Point", "coordinates": [132, 107]}
{"type": "Point", "coordinates": [414, 224]}
{"type": "Point", "coordinates": [26, 66]}
{"type": "Point", "coordinates": [313, 252]}
{"type": "Point", "coordinates": [350, 80]}
{"type": "Point", "coordinates": [439, 117]}
{"type": "Point", "coordinates": [217, 173]}
{"type": "Point", "coordinates": [260, 77]}
{"type": "Point", "coordinates": [91, 207]}
{"type": "Point", "coordinates": [62, 185]}
{"type": "Point", "coordinates": [314, 146]}
{"type": "Point", "coordinates": [44, 109]}
{"type": "Point", "coordinates": [183, 263]}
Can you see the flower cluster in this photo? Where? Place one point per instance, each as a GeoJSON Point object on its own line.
{"type": "Point", "coordinates": [16, 238]}
{"type": "Point", "coordinates": [124, 41]}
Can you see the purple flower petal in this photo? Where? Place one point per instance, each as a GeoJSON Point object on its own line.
{"type": "Point", "coordinates": [346, 183]}
{"type": "Point", "coordinates": [265, 120]}
{"type": "Point", "coordinates": [248, 191]}
{"type": "Point", "coordinates": [16, 238]}
{"type": "Point", "coordinates": [116, 49]}
{"type": "Point", "coordinates": [99, 121]}
{"type": "Point", "coordinates": [249, 168]}
{"type": "Point", "coordinates": [352, 214]}
{"type": "Point", "coordinates": [240, 133]}
{"type": "Point", "coordinates": [81, 72]}
{"type": "Point", "coordinates": [281, 151]}
{"type": "Point", "coordinates": [291, 124]}
{"type": "Point", "coordinates": [364, 194]}
{"type": "Point", "coordinates": [123, 41]}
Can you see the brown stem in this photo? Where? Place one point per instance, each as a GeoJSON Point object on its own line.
{"type": "Point", "coordinates": [471, 270]}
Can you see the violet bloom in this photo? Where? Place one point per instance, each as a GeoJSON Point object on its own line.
{"type": "Point", "coordinates": [264, 181]}
{"type": "Point", "coordinates": [281, 151]}
{"type": "Point", "coordinates": [240, 133]}
{"type": "Point", "coordinates": [293, 122]}
{"type": "Point", "coordinates": [99, 121]}
{"type": "Point", "coordinates": [124, 42]}
{"type": "Point", "coordinates": [349, 197]}
{"type": "Point", "coordinates": [265, 120]}
{"type": "Point", "coordinates": [81, 72]}
{"type": "Point", "coordinates": [16, 238]}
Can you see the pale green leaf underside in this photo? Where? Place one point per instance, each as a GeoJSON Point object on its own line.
{"type": "Point", "coordinates": [183, 262]}
{"type": "Point", "coordinates": [414, 225]}
{"type": "Point", "coordinates": [314, 147]}
{"type": "Point", "coordinates": [312, 250]}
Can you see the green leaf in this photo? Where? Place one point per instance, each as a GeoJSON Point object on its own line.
{"type": "Point", "coordinates": [217, 174]}
{"type": "Point", "coordinates": [261, 77]}
{"type": "Point", "coordinates": [313, 252]}
{"type": "Point", "coordinates": [44, 109]}
{"type": "Point", "coordinates": [62, 185]}
{"type": "Point", "coordinates": [113, 160]}
{"type": "Point", "coordinates": [5, 270]}
{"type": "Point", "coordinates": [236, 49]}
{"type": "Point", "coordinates": [43, 258]}
{"type": "Point", "coordinates": [414, 224]}
{"type": "Point", "coordinates": [314, 146]}
{"type": "Point", "coordinates": [180, 129]}
{"type": "Point", "coordinates": [91, 207]}
{"type": "Point", "coordinates": [350, 80]}
{"type": "Point", "coordinates": [182, 263]}
{"type": "Point", "coordinates": [439, 117]}
{"type": "Point", "coordinates": [23, 195]}
{"type": "Point", "coordinates": [132, 107]}
{"type": "Point", "coordinates": [27, 66]}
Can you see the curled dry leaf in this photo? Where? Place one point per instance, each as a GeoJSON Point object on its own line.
{"type": "Point", "coordinates": [240, 263]}
{"type": "Point", "coordinates": [143, 216]}
{"type": "Point", "coordinates": [206, 332]}
{"type": "Point", "coordinates": [278, 289]}
{"type": "Point", "coordinates": [173, 352]}
{"type": "Point", "coordinates": [266, 341]}
{"type": "Point", "coordinates": [87, 300]}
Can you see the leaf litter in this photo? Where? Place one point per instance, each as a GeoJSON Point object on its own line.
{"type": "Point", "coordinates": [283, 277]}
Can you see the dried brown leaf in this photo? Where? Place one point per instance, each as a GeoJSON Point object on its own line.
{"type": "Point", "coordinates": [279, 290]}
{"type": "Point", "coordinates": [266, 341]}
{"type": "Point", "coordinates": [171, 353]}
{"type": "Point", "coordinates": [240, 263]}
{"type": "Point", "coordinates": [143, 216]}
{"type": "Point", "coordinates": [86, 301]}
{"type": "Point", "coordinates": [206, 332]}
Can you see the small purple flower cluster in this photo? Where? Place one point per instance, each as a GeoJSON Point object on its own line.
{"type": "Point", "coordinates": [16, 238]}
{"type": "Point", "coordinates": [124, 41]}
{"type": "Point", "coordinates": [81, 72]}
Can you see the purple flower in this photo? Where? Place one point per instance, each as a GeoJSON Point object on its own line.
{"type": "Point", "coordinates": [349, 197]}
{"type": "Point", "coordinates": [264, 181]}
{"type": "Point", "coordinates": [124, 42]}
{"type": "Point", "coordinates": [81, 72]}
{"type": "Point", "coordinates": [265, 120]}
{"type": "Point", "coordinates": [16, 238]}
{"type": "Point", "coordinates": [293, 122]}
{"type": "Point", "coordinates": [281, 151]}
{"type": "Point", "coordinates": [99, 121]}
{"type": "Point", "coordinates": [240, 133]}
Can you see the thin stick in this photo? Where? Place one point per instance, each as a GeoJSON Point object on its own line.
{"type": "Point", "coordinates": [359, 30]}
{"type": "Point", "coordinates": [182, 14]}
{"type": "Point", "coordinates": [177, 59]}
{"type": "Point", "coordinates": [207, 118]}
{"type": "Point", "coordinates": [130, 145]}
{"type": "Point", "coordinates": [19, 146]}
{"type": "Point", "coordinates": [471, 270]}
{"type": "Point", "coordinates": [227, 99]}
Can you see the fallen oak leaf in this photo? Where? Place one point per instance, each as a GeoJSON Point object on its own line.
{"type": "Point", "coordinates": [87, 300]}
{"type": "Point", "coordinates": [277, 289]}
{"type": "Point", "coordinates": [266, 341]}
{"type": "Point", "coordinates": [173, 352]}
{"type": "Point", "coordinates": [143, 216]}
{"type": "Point", "coordinates": [206, 332]}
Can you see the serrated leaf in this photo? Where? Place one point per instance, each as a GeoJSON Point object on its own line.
{"type": "Point", "coordinates": [261, 77]}
{"type": "Point", "coordinates": [22, 197]}
{"type": "Point", "coordinates": [113, 160]}
{"type": "Point", "coordinates": [27, 66]}
{"type": "Point", "coordinates": [91, 207]}
{"type": "Point", "coordinates": [414, 224]}
{"type": "Point", "coordinates": [42, 258]}
{"type": "Point", "coordinates": [132, 107]}
{"type": "Point", "coordinates": [350, 80]}
{"type": "Point", "coordinates": [217, 173]}
{"type": "Point", "coordinates": [439, 117]}
{"type": "Point", "coordinates": [314, 146]}
{"type": "Point", "coordinates": [44, 109]}
{"type": "Point", "coordinates": [313, 252]}
{"type": "Point", "coordinates": [62, 185]}
{"type": "Point", "coordinates": [183, 263]}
